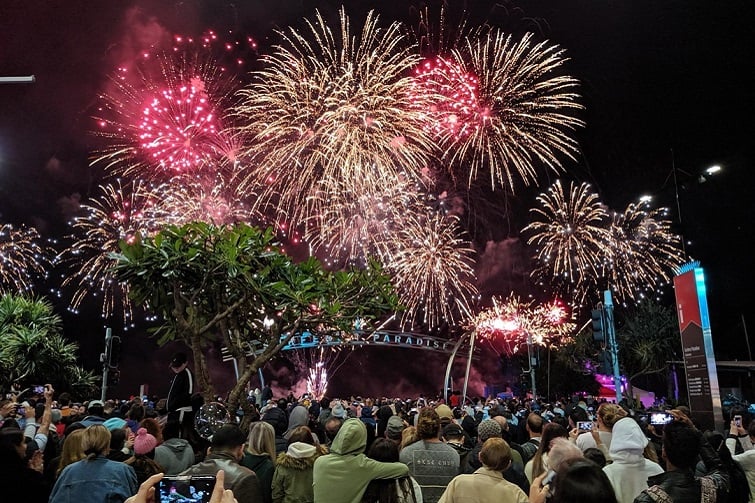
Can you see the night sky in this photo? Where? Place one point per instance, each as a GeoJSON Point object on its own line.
{"type": "Point", "coordinates": [664, 84]}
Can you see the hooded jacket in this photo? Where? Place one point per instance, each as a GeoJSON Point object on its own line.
{"type": "Point", "coordinates": [292, 481]}
{"type": "Point", "coordinates": [263, 467]}
{"type": "Point", "coordinates": [343, 475]}
{"type": "Point", "coordinates": [630, 470]}
{"type": "Point", "coordinates": [174, 455]}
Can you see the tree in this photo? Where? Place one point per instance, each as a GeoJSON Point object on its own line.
{"type": "Point", "coordinates": [648, 339]}
{"type": "Point", "coordinates": [34, 351]}
{"type": "Point", "coordinates": [232, 284]}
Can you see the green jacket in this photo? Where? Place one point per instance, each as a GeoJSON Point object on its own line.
{"type": "Point", "coordinates": [292, 481]}
{"type": "Point", "coordinates": [343, 475]}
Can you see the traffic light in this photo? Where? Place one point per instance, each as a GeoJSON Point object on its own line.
{"type": "Point", "coordinates": [113, 377]}
{"type": "Point", "coordinates": [598, 331]}
{"type": "Point", "coordinates": [113, 351]}
{"type": "Point", "coordinates": [605, 366]}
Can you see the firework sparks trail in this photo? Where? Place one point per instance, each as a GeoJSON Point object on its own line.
{"type": "Point", "coordinates": [22, 258]}
{"type": "Point", "coordinates": [524, 117]}
{"type": "Point", "coordinates": [569, 231]}
{"type": "Point", "coordinates": [365, 224]}
{"type": "Point", "coordinates": [118, 215]}
{"type": "Point", "coordinates": [645, 251]}
{"type": "Point", "coordinates": [167, 115]}
{"type": "Point", "coordinates": [200, 197]}
{"type": "Point", "coordinates": [433, 270]}
{"type": "Point", "coordinates": [320, 364]}
{"type": "Point", "coordinates": [511, 324]}
{"type": "Point", "coordinates": [330, 111]}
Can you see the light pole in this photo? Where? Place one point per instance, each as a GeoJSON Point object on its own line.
{"type": "Point", "coordinates": [26, 79]}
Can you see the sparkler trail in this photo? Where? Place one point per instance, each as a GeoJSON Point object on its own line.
{"type": "Point", "coordinates": [118, 215]}
{"type": "Point", "coordinates": [22, 258]}
{"type": "Point", "coordinates": [433, 270]}
{"type": "Point", "coordinates": [329, 111]}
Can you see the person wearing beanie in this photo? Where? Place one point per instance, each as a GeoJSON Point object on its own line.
{"type": "Point", "coordinates": [144, 456]}
{"type": "Point", "coordinates": [114, 423]}
{"type": "Point", "coordinates": [395, 429]}
{"type": "Point", "coordinates": [487, 429]}
{"type": "Point", "coordinates": [292, 480]}
{"type": "Point", "coordinates": [431, 462]}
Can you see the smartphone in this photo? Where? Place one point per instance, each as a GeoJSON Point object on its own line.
{"type": "Point", "coordinates": [584, 425]}
{"type": "Point", "coordinates": [738, 421]}
{"type": "Point", "coordinates": [20, 410]}
{"type": "Point", "coordinates": [186, 489]}
{"type": "Point", "coordinates": [550, 476]}
{"type": "Point", "coordinates": [658, 418]}
{"type": "Point", "coordinates": [38, 390]}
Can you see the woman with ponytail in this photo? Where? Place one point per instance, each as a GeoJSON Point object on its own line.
{"type": "Point", "coordinates": [95, 478]}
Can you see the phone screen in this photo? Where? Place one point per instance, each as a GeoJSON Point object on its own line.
{"type": "Point", "coordinates": [185, 489]}
{"type": "Point", "coordinates": [39, 390]}
{"type": "Point", "coordinates": [738, 420]}
{"type": "Point", "coordinates": [584, 425]}
{"type": "Point", "coordinates": [660, 418]}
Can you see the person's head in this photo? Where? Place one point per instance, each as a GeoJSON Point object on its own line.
{"type": "Point", "coordinates": [428, 424]}
{"type": "Point", "coordinates": [495, 454]}
{"type": "Point", "coordinates": [229, 439]}
{"type": "Point", "coordinates": [394, 428]}
{"type": "Point", "coordinates": [534, 425]}
{"type": "Point", "coordinates": [64, 399]}
{"type": "Point", "coordinates": [452, 432]}
{"type": "Point", "coordinates": [562, 449]}
{"type": "Point", "coordinates": [136, 412]}
{"type": "Point", "coordinates": [12, 446]}
{"type": "Point", "coordinates": [582, 481]}
{"type": "Point", "coordinates": [577, 414]}
{"type": "Point", "coordinates": [178, 362]}
{"type": "Point", "coordinates": [117, 438]}
{"type": "Point", "coordinates": [609, 413]}
{"type": "Point", "coordinates": [595, 455]}
{"type": "Point", "coordinates": [153, 428]}
{"type": "Point", "coordinates": [96, 441]}
{"type": "Point", "coordinates": [96, 408]}
{"type": "Point", "coordinates": [332, 426]}
{"type": "Point", "coordinates": [301, 434]}
{"type": "Point", "coordinates": [73, 448]}
{"type": "Point", "coordinates": [681, 445]}
{"type": "Point", "coordinates": [408, 436]}
{"type": "Point", "coordinates": [488, 428]}
{"type": "Point", "coordinates": [502, 422]}
{"type": "Point", "coordinates": [383, 449]}
{"type": "Point", "coordinates": [551, 431]}
{"type": "Point", "coordinates": [144, 443]}
{"type": "Point", "coordinates": [261, 440]}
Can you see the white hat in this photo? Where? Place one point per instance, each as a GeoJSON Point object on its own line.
{"type": "Point", "coordinates": [301, 450]}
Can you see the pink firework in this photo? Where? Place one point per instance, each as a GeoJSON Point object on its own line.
{"type": "Point", "coordinates": [456, 112]}
{"type": "Point", "coordinates": [179, 128]}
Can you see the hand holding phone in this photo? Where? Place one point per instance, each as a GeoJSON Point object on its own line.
{"type": "Point", "coordinates": [584, 425]}
{"type": "Point", "coordinates": [186, 489]}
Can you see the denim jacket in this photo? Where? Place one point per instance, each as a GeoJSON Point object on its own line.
{"type": "Point", "coordinates": [99, 480]}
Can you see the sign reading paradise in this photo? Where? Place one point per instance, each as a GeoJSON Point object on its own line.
{"type": "Point", "coordinates": [390, 338]}
{"type": "Point", "coordinates": [697, 346]}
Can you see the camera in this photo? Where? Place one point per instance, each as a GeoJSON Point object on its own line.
{"type": "Point", "coordinates": [38, 389]}
{"type": "Point", "coordinates": [659, 418]}
{"type": "Point", "coordinates": [584, 425]}
{"type": "Point", "coordinates": [186, 489]}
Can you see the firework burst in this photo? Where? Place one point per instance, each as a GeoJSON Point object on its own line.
{"type": "Point", "coordinates": [331, 111]}
{"type": "Point", "coordinates": [22, 258]}
{"type": "Point", "coordinates": [167, 115]}
{"type": "Point", "coordinates": [645, 252]}
{"type": "Point", "coordinates": [524, 114]}
{"type": "Point", "coordinates": [569, 231]}
{"type": "Point", "coordinates": [433, 270]}
{"type": "Point", "coordinates": [118, 215]}
{"type": "Point", "coordinates": [512, 323]}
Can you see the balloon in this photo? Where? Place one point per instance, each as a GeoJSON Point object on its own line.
{"type": "Point", "coordinates": [209, 418]}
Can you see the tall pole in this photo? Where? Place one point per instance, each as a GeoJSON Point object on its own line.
{"type": "Point", "coordinates": [531, 370]}
{"type": "Point", "coordinates": [105, 362]}
{"type": "Point", "coordinates": [613, 346]}
{"type": "Point", "coordinates": [469, 365]}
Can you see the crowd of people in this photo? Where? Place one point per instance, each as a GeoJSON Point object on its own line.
{"type": "Point", "coordinates": [367, 450]}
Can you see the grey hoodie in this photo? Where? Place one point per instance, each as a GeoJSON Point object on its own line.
{"type": "Point", "coordinates": [174, 455]}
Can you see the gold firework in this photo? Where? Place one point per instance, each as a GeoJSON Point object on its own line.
{"type": "Point", "coordinates": [331, 111]}
{"type": "Point", "coordinates": [21, 258]}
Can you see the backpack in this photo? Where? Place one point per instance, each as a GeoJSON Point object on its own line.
{"type": "Point", "coordinates": [529, 448]}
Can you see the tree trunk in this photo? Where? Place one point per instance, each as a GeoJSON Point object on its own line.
{"type": "Point", "coordinates": [204, 382]}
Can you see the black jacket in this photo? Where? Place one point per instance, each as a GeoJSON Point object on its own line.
{"type": "Point", "coordinates": [180, 391]}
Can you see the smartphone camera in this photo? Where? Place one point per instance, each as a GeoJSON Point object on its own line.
{"type": "Point", "coordinates": [186, 489]}
{"type": "Point", "coordinates": [38, 390]}
{"type": "Point", "coordinates": [584, 425]}
{"type": "Point", "coordinates": [660, 418]}
{"type": "Point", "coordinates": [738, 421]}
